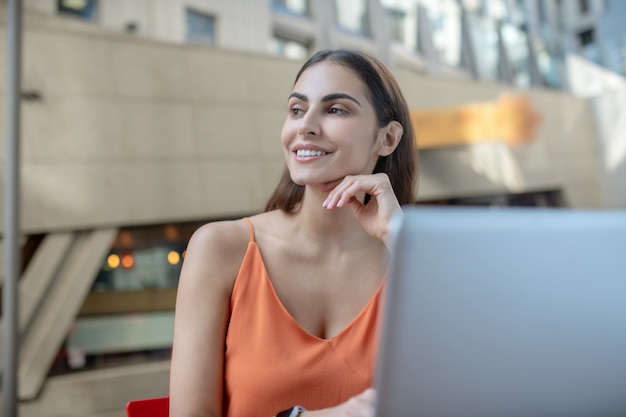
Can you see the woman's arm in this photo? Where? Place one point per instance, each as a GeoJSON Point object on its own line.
{"type": "Point", "coordinates": [212, 260]}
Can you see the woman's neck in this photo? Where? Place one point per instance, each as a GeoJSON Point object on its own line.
{"type": "Point", "coordinates": [336, 227]}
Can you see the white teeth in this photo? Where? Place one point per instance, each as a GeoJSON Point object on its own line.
{"type": "Point", "coordinates": [309, 152]}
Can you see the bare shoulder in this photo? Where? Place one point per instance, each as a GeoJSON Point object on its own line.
{"type": "Point", "coordinates": [222, 237]}
{"type": "Point", "coordinates": [271, 223]}
{"type": "Point", "coordinates": [215, 251]}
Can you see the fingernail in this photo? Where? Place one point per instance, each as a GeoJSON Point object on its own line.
{"type": "Point", "coordinates": [325, 203]}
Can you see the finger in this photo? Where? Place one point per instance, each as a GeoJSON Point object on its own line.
{"type": "Point", "coordinates": [350, 192]}
{"type": "Point", "coordinates": [375, 185]}
{"type": "Point", "coordinates": [352, 186]}
{"type": "Point", "coordinates": [335, 195]}
{"type": "Point", "coordinates": [331, 199]}
{"type": "Point", "coordinates": [355, 205]}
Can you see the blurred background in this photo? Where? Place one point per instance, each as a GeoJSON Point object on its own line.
{"type": "Point", "coordinates": [143, 119]}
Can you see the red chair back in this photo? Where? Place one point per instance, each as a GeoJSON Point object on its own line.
{"type": "Point", "coordinates": [149, 407]}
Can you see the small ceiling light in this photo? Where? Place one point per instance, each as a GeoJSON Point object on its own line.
{"type": "Point", "coordinates": [113, 261]}
{"type": "Point", "coordinates": [173, 257]}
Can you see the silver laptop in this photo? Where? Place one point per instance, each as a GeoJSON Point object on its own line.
{"type": "Point", "coordinates": [505, 313]}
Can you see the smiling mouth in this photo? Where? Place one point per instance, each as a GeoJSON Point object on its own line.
{"type": "Point", "coordinates": [309, 152]}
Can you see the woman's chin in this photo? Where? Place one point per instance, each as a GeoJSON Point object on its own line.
{"type": "Point", "coordinates": [329, 186]}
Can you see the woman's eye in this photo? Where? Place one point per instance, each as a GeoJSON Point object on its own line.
{"type": "Point", "coordinates": [295, 112]}
{"type": "Point", "coordinates": [336, 110]}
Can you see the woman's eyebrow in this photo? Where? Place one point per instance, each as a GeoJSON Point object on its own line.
{"type": "Point", "coordinates": [327, 97]}
{"type": "Point", "coordinates": [298, 96]}
{"type": "Point", "coordinates": [335, 96]}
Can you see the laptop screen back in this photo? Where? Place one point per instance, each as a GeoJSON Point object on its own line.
{"type": "Point", "coordinates": [516, 312]}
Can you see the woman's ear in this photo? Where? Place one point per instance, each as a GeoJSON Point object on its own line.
{"type": "Point", "coordinates": [392, 133]}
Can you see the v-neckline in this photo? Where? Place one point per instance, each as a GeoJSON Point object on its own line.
{"type": "Point", "coordinates": [295, 322]}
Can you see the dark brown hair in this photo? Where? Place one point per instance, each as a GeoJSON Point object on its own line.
{"type": "Point", "coordinates": [389, 104]}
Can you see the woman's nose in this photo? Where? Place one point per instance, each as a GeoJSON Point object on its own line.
{"type": "Point", "coordinates": [309, 125]}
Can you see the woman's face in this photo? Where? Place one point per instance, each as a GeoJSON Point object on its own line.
{"type": "Point", "coordinates": [331, 129]}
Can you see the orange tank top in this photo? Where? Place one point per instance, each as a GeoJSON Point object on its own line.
{"type": "Point", "coordinates": [272, 363]}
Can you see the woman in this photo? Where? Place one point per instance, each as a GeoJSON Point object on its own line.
{"type": "Point", "coordinates": [281, 310]}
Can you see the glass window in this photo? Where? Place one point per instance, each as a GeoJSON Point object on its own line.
{"type": "Point", "coordinates": [516, 45]}
{"type": "Point", "coordinates": [200, 28]}
{"type": "Point", "coordinates": [615, 55]}
{"type": "Point", "coordinates": [586, 37]}
{"type": "Point", "coordinates": [559, 15]}
{"type": "Point", "coordinates": [403, 21]}
{"type": "Point", "coordinates": [289, 48]}
{"type": "Point", "coordinates": [85, 9]}
{"type": "Point", "coordinates": [397, 22]}
{"type": "Point", "coordinates": [484, 37]}
{"type": "Point", "coordinates": [298, 7]}
{"type": "Point", "coordinates": [548, 65]}
{"type": "Point", "coordinates": [445, 21]}
{"type": "Point", "coordinates": [583, 6]}
{"type": "Point", "coordinates": [541, 11]}
{"type": "Point", "coordinates": [352, 16]}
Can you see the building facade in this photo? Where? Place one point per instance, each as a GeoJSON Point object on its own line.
{"type": "Point", "coordinates": [144, 119]}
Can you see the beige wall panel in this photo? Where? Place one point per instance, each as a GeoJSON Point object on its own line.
{"type": "Point", "coordinates": [64, 195]}
{"type": "Point", "coordinates": [156, 191]}
{"type": "Point", "coordinates": [167, 18]}
{"type": "Point", "coordinates": [267, 125]}
{"type": "Point", "coordinates": [242, 188]}
{"type": "Point", "coordinates": [537, 170]}
{"type": "Point", "coordinates": [216, 76]}
{"type": "Point", "coordinates": [63, 64]}
{"type": "Point", "coordinates": [341, 39]}
{"type": "Point", "coordinates": [156, 130]}
{"type": "Point", "coordinates": [564, 152]}
{"type": "Point", "coordinates": [252, 17]}
{"type": "Point", "coordinates": [422, 91]}
{"type": "Point", "coordinates": [574, 151]}
{"type": "Point", "coordinates": [41, 6]}
{"type": "Point", "coordinates": [579, 168]}
{"type": "Point", "coordinates": [225, 130]}
{"type": "Point", "coordinates": [116, 14]}
{"type": "Point", "coordinates": [577, 128]}
{"type": "Point", "coordinates": [483, 169]}
{"type": "Point", "coordinates": [583, 194]}
{"type": "Point", "coordinates": [148, 69]}
{"type": "Point", "coordinates": [271, 81]}
{"type": "Point", "coordinates": [609, 110]}
{"type": "Point", "coordinates": [72, 129]}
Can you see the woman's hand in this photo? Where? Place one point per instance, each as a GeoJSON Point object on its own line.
{"type": "Point", "coordinates": [361, 405]}
{"type": "Point", "coordinates": [375, 216]}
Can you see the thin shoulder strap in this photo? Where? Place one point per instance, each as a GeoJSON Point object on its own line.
{"type": "Point", "coordinates": [251, 228]}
